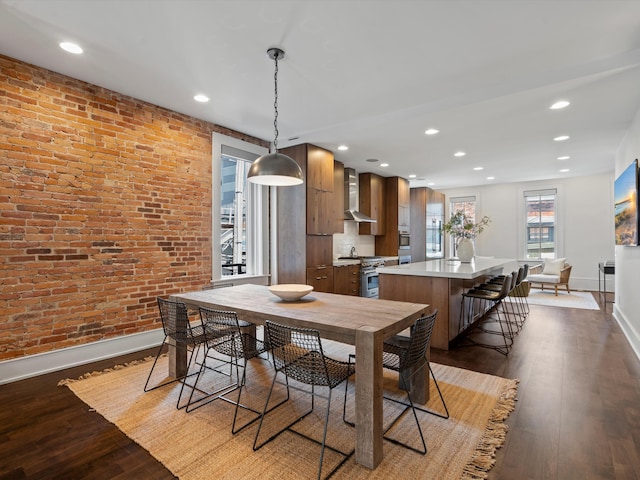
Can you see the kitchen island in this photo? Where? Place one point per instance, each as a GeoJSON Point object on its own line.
{"type": "Point", "coordinates": [440, 283]}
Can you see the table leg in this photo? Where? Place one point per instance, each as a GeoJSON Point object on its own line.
{"type": "Point", "coordinates": [178, 353]}
{"type": "Point", "coordinates": [369, 386]}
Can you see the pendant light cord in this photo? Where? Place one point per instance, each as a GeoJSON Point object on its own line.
{"type": "Point", "coordinates": [275, 106]}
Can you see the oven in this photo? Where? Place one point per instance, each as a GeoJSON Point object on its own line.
{"type": "Point", "coordinates": [404, 241]}
{"type": "Point", "coordinates": [369, 276]}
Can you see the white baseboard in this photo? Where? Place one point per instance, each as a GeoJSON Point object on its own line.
{"type": "Point", "coordinates": [629, 331]}
{"type": "Point", "coordinates": [33, 365]}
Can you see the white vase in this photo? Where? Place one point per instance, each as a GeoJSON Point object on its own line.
{"type": "Point", "coordinates": [465, 250]}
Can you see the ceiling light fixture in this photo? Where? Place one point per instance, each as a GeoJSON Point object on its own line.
{"type": "Point", "coordinates": [343, 148]}
{"type": "Point", "coordinates": [459, 154]}
{"type": "Point", "coordinates": [559, 104]}
{"type": "Point", "coordinates": [201, 98]}
{"type": "Point", "coordinates": [384, 164]}
{"type": "Point", "coordinates": [71, 47]}
{"type": "Point", "coordinates": [412, 176]}
{"type": "Point", "coordinates": [275, 168]}
{"type": "Point", "coordinates": [564, 170]}
{"type": "Point", "coordinates": [565, 157]}
{"type": "Point", "coordinates": [477, 169]}
{"type": "Point", "coordinates": [431, 131]}
{"type": "Point", "coordinates": [561, 138]}
{"type": "Point", "coordinates": [491, 178]}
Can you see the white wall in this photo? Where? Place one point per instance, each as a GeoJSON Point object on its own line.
{"type": "Point", "coordinates": [585, 212]}
{"type": "Point", "coordinates": [627, 278]}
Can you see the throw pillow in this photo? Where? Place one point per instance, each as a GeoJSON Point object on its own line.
{"type": "Point", "coordinates": [553, 267]}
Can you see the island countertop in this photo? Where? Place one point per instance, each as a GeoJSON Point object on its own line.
{"type": "Point", "coordinates": [449, 268]}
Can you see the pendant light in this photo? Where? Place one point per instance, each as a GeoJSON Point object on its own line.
{"type": "Point", "coordinates": [275, 168]}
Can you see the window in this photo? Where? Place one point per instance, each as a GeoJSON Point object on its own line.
{"type": "Point", "coordinates": [540, 214]}
{"type": "Point", "coordinates": [468, 206]}
{"type": "Point", "coordinates": [239, 211]}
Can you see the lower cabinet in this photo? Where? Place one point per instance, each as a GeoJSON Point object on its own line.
{"type": "Point", "coordinates": [346, 280]}
{"type": "Point", "coordinates": [320, 277]}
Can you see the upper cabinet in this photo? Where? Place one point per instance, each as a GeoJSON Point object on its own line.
{"type": "Point", "coordinates": [320, 169]}
{"type": "Point", "coordinates": [372, 202]}
{"type": "Point", "coordinates": [325, 192]}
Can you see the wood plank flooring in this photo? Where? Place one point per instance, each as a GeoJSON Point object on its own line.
{"type": "Point", "coordinates": [577, 415]}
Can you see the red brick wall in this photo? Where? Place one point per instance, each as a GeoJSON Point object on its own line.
{"type": "Point", "coordinates": [104, 205]}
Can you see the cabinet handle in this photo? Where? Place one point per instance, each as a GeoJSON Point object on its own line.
{"type": "Point", "coordinates": [318, 278]}
{"type": "Point", "coordinates": [321, 267]}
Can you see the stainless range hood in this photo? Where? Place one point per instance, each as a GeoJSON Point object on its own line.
{"type": "Point", "coordinates": [351, 196]}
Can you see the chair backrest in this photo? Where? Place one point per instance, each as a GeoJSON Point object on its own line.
{"type": "Point", "coordinates": [219, 323]}
{"type": "Point", "coordinates": [421, 332]}
{"type": "Point", "coordinates": [526, 272]}
{"type": "Point", "coordinates": [298, 353]}
{"type": "Point", "coordinates": [521, 275]}
{"type": "Point", "coordinates": [174, 313]}
{"type": "Point", "coordinates": [507, 285]}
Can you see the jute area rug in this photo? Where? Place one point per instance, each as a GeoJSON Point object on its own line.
{"type": "Point", "coordinates": [200, 445]}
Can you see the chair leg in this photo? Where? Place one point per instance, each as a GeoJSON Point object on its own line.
{"type": "Point", "coordinates": [411, 406]}
{"type": "Point", "coordinates": [238, 405]}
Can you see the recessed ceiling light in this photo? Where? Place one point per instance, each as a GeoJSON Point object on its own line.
{"type": "Point", "coordinates": [431, 184]}
{"type": "Point", "coordinates": [412, 176]}
{"type": "Point", "coordinates": [384, 164]}
{"type": "Point", "coordinates": [459, 154]}
{"type": "Point", "coordinates": [431, 131]}
{"type": "Point", "coordinates": [561, 138]}
{"type": "Point", "coordinates": [478, 168]}
{"type": "Point", "coordinates": [564, 170]}
{"type": "Point", "coordinates": [564, 157]}
{"type": "Point", "coordinates": [491, 178]}
{"type": "Point", "coordinates": [559, 104]}
{"type": "Point", "coordinates": [71, 47]}
{"type": "Point", "coordinates": [343, 148]}
{"type": "Point", "coordinates": [201, 98]}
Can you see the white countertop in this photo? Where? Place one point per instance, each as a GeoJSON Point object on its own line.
{"type": "Point", "coordinates": [450, 268]}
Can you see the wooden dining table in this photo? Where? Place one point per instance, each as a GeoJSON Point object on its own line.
{"type": "Point", "coordinates": [362, 322]}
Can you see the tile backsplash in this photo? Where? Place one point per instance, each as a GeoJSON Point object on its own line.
{"type": "Point", "coordinates": [342, 242]}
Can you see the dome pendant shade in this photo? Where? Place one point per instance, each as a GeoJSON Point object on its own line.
{"type": "Point", "coordinates": [275, 169]}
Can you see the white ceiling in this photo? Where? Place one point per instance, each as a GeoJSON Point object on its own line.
{"type": "Point", "coordinates": [369, 74]}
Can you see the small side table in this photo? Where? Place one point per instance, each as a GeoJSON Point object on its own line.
{"type": "Point", "coordinates": [604, 269]}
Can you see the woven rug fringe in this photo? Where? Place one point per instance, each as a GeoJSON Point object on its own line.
{"type": "Point", "coordinates": [494, 435]}
{"type": "Point", "coordinates": [67, 381]}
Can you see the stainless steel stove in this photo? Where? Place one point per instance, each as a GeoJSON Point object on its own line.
{"type": "Point", "coordinates": [369, 276]}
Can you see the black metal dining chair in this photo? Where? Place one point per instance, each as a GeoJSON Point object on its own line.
{"type": "Point", "coordinates": [173, 315]}
{"type": "Point", "coordinates": [297, 354]}
{"type": "Point", "coordinates": [226, 344]}
{"type": "Point", "coordinates": [408, 357]}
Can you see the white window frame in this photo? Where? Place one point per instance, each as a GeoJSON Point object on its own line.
{"type": "Point", "coordinates": [257, 234]}
{"type": "Point", "coordinates": [559, 219]}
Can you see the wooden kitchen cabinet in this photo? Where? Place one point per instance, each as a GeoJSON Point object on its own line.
{"type": "Point", "coordinates": [346, 280]}
{"type": "Point", "coordinates": [397, 215]}
{"type": "Point", "coordinates": [320, 278]}
{"type": "Point", "coordinates": [319, 168]}
{"type": "Point", "coordinates": [418, 224]}
{"type": "Point", "coordinates": [372, 202]}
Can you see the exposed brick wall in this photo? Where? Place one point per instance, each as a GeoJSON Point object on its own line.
{"type": "Point", "coordinates": [104, 205]}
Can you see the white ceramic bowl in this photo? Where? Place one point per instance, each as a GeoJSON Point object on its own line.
{"type": "Point", "coordinates": [290, 292]}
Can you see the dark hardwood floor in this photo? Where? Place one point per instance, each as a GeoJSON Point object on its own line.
{"type": "Point", "coordinates": [577, 415]}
